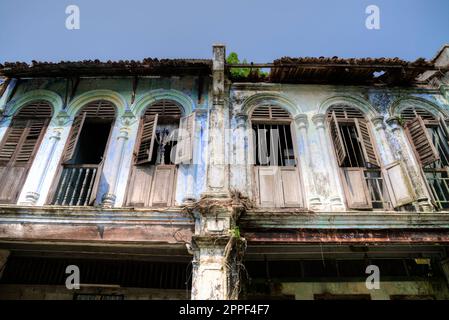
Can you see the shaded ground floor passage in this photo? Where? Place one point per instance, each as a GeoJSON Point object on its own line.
{"type": "Point", "coordinates": [267, 272]}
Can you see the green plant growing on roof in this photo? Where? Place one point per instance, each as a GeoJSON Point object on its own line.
{"type": "Point", "coordinates": [233, 58]}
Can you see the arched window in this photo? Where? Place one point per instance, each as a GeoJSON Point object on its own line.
{"type": "Point", "coordinates": [429, 137]}
{"type": "Point", "coordinates": [357, 158]}
{"type": "Point", "coordinates": [82, 159]}
{"type": "Point", "coordinates": [277, 178]}
{"type": "Point", "coordinates": [165, 139]}
{"type": "Point", "coordinates": [19, 146]}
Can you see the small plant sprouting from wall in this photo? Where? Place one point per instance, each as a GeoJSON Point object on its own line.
{"type": "Point", "coordinates": [233, 58]}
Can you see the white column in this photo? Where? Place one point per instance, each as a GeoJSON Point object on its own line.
{"type": "Point", "coordinates": [302, 123]}
{"type": "Point", "coordinates": [336, 201]}
{"type": "Point", "coordinates": [239, 152]}
{"type": "Point", "coordinates": [405, 153]}
{"type": "Point", "coordinates": [108, 199]}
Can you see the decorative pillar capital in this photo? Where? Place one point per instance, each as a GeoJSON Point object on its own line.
{"type": "Point", "coordinates": [302, 121]}
{"type": "Point", "coordinates": [241, 119]}
{"type": "Point", "coordinates": [61, 119]}
{"type": "Point", "coordinates": [318, 120]}
{"type": "Point", "coordinates": [394, 122]}
{"type": "Point", "coordinates": [128, 118]}
{"type": "Point", "coordinates": [378, 122]}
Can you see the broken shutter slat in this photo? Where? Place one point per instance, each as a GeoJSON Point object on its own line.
{"type": "Point", "coordinates": [366, 142]}
{"type": "Point", "coordinates": [424, 149]}
{"type": "Point", "coordinates": [72, 142]}
{"type": "Point", "coordinates": [399, 184]}
{"type": "Point", "coordinates": [146, 139]}
{"type": "Point", "coordinates": [337, 139]}
{"type": "Point", "coordinates": [184, 147]}
{"type": "Point", "coordinates": [356, 189]}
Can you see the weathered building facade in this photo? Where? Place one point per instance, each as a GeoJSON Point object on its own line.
{"type": "Point", "coordinates": [177, 179]}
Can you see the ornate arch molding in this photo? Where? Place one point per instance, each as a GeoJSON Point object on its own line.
{"type": "Point", "coordinates": [274, 98]}
{"type": "Point", "coordinates": [402, 103]}
{"type": "Point", "coordinates": [108, 95]}
{"type": "Point", "coordinates": [51, 97]}
{"type": "Point", "coordinates": [353, 101]}
{"type": "Point", "coordinates": [186, 103]}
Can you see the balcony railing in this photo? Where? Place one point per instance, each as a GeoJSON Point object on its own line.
{"type": "Point", "coordinates": [76, 185]}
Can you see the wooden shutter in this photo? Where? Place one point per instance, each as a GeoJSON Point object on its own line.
{"type": "Point", "coordinates": [163, 186]}
{"type": "Point", "coordinates": [184, 147]}
{"type": "Point", "coordinates": [366, 142]}
{"type": "Point", "coordinates": [72, 141]}
{"type": "Point", "coordinates": [267, 186]}
{"type": "Point", "coordinates": [398, 184]}
{"type": "Point", "coordinates": [337, 139]}
{"type": "Point", "coordinates": [356, 189]}
{"type": "Point", "coordinates": [146, 139]}
{"type": "Point", "coordinates": [140, 186]}
{"type": "Point", "coordinates": [291, 187]}
{"type": "Point", "coordinates": [16, 154]}
{"type": "Point", "coordinates": [12, 140]}
{"type": "Point", "coordinates": [424, 149]}
{"type": "Point", "coordinates": [29, 143]}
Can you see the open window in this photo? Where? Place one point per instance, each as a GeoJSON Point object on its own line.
{"type": "Point", "coordinates": [276, 174]}
{"type": "Point", "coordinates": [355, 152]}
{"type": "Point", "coordinates": [429, 136]}
{"type": "Point", "coordinates": [19, 146]}
{"type": "Point", "coordinates": [165, 139]}
{"type": "Point", "coordinates": [83, 156]}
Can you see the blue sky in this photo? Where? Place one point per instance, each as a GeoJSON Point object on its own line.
{"type": "Point", "coordinates": [258, 30]}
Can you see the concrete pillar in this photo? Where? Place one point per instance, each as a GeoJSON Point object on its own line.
{"type": "Point", "coordinates": [4, 254]}
{"type": "Point", "coordinates": [108, 199]}
{"type": "Point", "coordinates": [305, 159]}
{"type": "Point", "coordinates": [217, 245]}
{"type": "Point", "coordinates": [336, 201]}
{"type": "Point", "coordinates": [217, 171]}
{"type": "Point", "coordinates": [405, 153]}
{"type": "Point", "coordinates": [216, 268]}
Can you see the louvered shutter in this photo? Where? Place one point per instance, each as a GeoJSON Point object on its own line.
{"type": "Point", "coordinates": [12, 140]}
{"type": "Point", "coordinates": [184, 147]}
{"type": "Point", "coordinates": [424, 149]}
{"type": "Point", "coordinates": [356, 189]}
{"type": "Point", "coordinates": [29, 143]}
{"type": "Point", "coordinates": [337, 139]}
{"type": "Point", "coordinates": [366, 142]}
{"type": "Point", "coordinates": [70, 148]}
{"type": "Point", "coordinates": [146, 141]}
{"type": "Point", "coordinates": [16, 153]}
